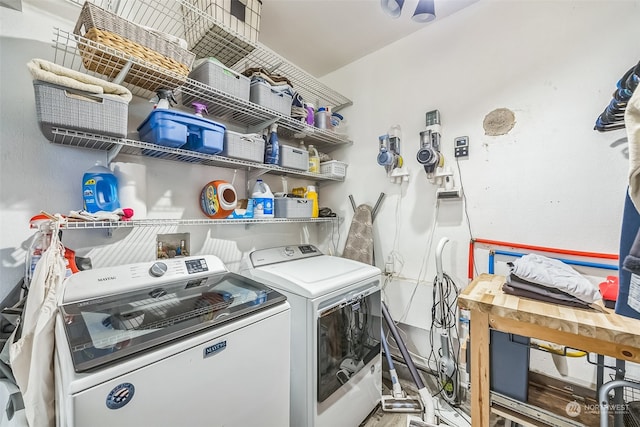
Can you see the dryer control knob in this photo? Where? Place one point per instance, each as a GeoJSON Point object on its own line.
{"type": "Point", "coordinates": [289, 251]}
{"type": "Point", "coordinates": [158, 269]}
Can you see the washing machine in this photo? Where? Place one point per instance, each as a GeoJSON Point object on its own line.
{"type": "Point", "coordinates": [178, 342]}
{"type": "Point", "coordinates": [336, 371]}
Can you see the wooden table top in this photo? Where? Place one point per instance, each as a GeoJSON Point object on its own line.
{"type": "Point", "coordinates": [485, 294]}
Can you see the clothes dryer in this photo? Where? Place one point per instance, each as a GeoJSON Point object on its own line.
{"type": "Point", "coordinates": [336, 371]}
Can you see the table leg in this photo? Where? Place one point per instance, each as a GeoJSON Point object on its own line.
{"type": "Point", "coordinates": [480, 363]}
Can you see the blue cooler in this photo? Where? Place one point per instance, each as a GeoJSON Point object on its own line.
{"type": "Point", "coordinates": [176, 129]}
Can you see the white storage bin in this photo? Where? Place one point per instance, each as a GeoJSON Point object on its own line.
{"type": "Point", "coordinates": [292, 207]}
{"type": "Point", "coordinates": [262, 94]}
{"type": "Point", "coordinates": [72, 109]}
{"type": "Point", "coordinates": [334, 168]}
{"type": "Point", "coordinates": [216, 75]}
{"type": "Point", "coordinates": [293, 158]}
{"type": "Point", "coordinates": [243, 147]}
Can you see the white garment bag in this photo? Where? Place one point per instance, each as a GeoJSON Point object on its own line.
{"type": "Point", "coordinates": [31, 354]}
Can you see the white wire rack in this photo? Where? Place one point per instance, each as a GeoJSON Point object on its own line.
{"type": "Point", "coordinates": [220, 41]}
{"type": "Point", "coordinates": [84, 225]}
{"type": "Point", "coordinates": [138, 148]}
{"type": "Point", "coordinates": [143, 78]}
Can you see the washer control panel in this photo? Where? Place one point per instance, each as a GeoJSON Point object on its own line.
{"type": "Point", "coordinates": [275, 255]}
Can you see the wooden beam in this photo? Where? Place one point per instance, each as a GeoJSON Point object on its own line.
{"type": "Point", "coordinates": [480, 364]}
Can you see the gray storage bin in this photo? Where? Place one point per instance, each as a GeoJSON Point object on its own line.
{"type": "Point", "coordinates": [261, 93]}
{"type": "Point", "coordinates": [237, 147]}
{"type": "Point", "coordinates": [293, 158]}
{"type": "Point", "coordinates": [509, 354]}
{"type": "Point", "coordinates": [72, 109]}
{"type": "Point", "coordinates": [216, 75]}
{"type": "Point", "coordinates": [292, 207]}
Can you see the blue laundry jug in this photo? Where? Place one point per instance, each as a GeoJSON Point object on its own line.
{"type": "Point", "coordinates": [100, 189]}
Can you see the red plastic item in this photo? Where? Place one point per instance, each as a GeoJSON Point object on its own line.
{"type": "Point", "coordinates": [609, 288]}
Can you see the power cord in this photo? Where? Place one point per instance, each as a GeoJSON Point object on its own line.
{"type": "Point", "coordinates": [466, 212]}
{"type": "Point", "coordinates": [443, 317]}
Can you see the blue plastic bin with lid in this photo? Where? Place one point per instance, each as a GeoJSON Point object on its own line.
{"type": "Point", "coordinates": [172, 128]}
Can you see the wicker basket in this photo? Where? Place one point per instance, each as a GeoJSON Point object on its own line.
{"type": "Point", "coordinates": [113, 32]}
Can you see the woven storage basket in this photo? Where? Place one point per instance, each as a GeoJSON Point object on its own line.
{"type": "Point", "coordinates": [66, 108]}
{"type": "Point", "coordinates": [113, 32]}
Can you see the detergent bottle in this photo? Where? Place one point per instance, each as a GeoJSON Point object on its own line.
{"type": "Point", "coordinates": [272, 148]}
{"type": "Point", "coordinates": [314, 160]}
{"type": "Point", "coordinates": [100, 189]}
{"type": "Point", "coordinates": [313, 196]}
{"type": "Point", "coordinates": [263, 200]}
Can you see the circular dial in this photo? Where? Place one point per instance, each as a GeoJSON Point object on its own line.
{"type": "Point", "coordinates": [158, 269]}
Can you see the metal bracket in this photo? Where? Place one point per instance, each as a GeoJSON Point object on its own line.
{"type": "Point", "coordinates": [113, 152]}
{"type": "Point", "coordinates": [123, 73]}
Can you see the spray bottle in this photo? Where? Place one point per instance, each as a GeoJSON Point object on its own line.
{"type": "Point", "coordinates": [272, 149]}
{"type": "Point", "coordinates": [165, 99]}
{"type": "Point", "coordinates": [199, 109]}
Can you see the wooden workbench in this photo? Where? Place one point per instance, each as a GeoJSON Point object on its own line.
{"type": "Point", "coordinates": [603, 333]}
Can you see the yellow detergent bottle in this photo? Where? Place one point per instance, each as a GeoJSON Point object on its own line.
{"type": "Point", "coordinates": [314, 160]}
{"type": "Point", "coordinates": [313, 195]}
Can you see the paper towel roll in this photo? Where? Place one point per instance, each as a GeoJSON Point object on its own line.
{"type": "Point", "coordinates": [132, 185]}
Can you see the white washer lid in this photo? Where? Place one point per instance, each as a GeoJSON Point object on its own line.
{"type": "Point", "coordinates": [315, 276]}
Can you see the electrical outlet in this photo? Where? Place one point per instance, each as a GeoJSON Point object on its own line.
{"type": "Point", "coordinates": [461, 146]}
{"type": "Point", "coordinates": [433, 117]}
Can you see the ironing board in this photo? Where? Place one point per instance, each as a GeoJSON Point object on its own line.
{"type": "Point", "coordinates": [359, 244]}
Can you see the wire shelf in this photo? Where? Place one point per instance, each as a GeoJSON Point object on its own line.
{"type": "Point", "coordinates": [143, 78]}
{"type": "Point", "coordinates": [85, 225]}
{"type": "Point", "coordinates": [138, 148]}
{"type": "Point", "coordinates": [232, 49]}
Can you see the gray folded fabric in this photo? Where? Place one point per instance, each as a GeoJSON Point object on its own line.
{"type": "Point", "coordinates": [553, 273]}
{"type": "Point", "coordinates": [632, 260]}
{"type": "Point", "coordinates": [543, 292]}
{"type": "Point", "coordinates": [508, 289]}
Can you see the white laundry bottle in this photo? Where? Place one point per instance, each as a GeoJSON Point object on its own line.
{"type": "Point", "coordinates": [262, 200]}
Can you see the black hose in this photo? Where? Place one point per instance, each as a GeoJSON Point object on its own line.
{"type": "Point", "coordinates": [402, 347]}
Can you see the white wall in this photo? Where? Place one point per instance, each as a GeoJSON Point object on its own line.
{"type": "Point", "coordinates": [551, 181]}
{"type": "Point", "coordinates": [37, 175]}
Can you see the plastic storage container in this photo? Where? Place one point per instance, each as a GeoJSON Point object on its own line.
{"type": "Point", "coordinates": [293, 207]}
{"type": "Point", "coordinates": [263, 200]}
{"type": "Point", "coordinates": [66, 108]}
{"type": "Point", "coordinates": [100, 189]}
{"type": "Point", "coordinates": [216, 75]}
{"type": "Point", "coordinates": [244, 147]}
{"type": "Point", "coordinates": [509, 367]}
{"type": "Point", "coordinates": [293, 158]}
{"type": "Point", "coordinates": [262, 94]}
{"type": "Point", "coordinates": [334, 168]}
{"type": "Point", "coordinates": [173, 128]}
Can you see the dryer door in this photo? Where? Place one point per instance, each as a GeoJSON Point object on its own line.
{"type": "Point", "coordinates": [348, 337]}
